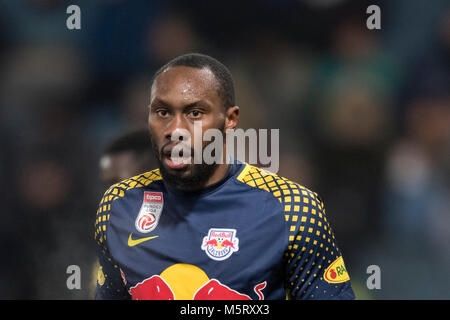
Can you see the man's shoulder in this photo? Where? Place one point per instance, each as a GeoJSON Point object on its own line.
{"type": "Point", "coordinates": [283, 189]}
{"type": "Point", "coordinates": [119, 190]}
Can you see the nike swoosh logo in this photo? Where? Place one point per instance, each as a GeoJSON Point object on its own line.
{"type": "Point", "coordinates": [132, 243]}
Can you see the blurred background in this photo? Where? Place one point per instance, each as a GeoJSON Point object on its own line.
{"type": "Point", "coordinates": [364, 119]}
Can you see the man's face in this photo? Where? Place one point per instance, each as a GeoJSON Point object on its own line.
{"type": "Point", "coordinates": [180, 97]}
{"type": "Point", "coordinates": [119, 166]}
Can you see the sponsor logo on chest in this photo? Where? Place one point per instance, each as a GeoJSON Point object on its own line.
{"type": "Point", "coordinates": [150, 212]}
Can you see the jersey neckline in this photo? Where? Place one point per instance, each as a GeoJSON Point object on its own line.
{"type": "Point", "coordinates": [234, 169]}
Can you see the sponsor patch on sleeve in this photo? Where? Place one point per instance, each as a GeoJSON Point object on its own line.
{"type": "Point", "coordinates": [336, 272]}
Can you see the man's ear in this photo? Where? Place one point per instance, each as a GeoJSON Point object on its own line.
{"type": "Point", "coordinates": [232, 117]}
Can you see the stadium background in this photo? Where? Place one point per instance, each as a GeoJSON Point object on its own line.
{"type": "Point", "coordinates": [364, 120]}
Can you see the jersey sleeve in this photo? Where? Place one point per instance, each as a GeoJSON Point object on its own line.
{"type": "Point", "coordinates": [110, 285]}
{"type": "Point", "coordinates": [315, 268]}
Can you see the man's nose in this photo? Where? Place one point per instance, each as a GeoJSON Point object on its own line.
{"type": "Point", "coordinates": [176, 129]}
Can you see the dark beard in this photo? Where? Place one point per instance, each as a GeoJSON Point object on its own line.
{"type": "Point", "coordinates": [200, 173]}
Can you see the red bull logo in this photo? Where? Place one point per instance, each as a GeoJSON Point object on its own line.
{"type": "Point", "coordinates": [187, 282]}
{"type": "Point", "coordinates": [220, 244]}
{"type": "Point", "coordinates": [153, 288]}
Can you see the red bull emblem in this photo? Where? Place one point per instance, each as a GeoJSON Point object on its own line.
{"type": "Point", "coordinates": [150, 211]}
{"type": "Point", "coordinates": [220, 244]}
{"type": "Point", "coordinates": [188, 282]}
{"type": "Point", "coordinates": [153, 288]}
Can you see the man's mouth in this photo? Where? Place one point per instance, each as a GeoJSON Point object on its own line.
{"type": "Point", "coordinates": [175, 161]}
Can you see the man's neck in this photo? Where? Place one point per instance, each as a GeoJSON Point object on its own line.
{"type": "Point", "coordinates": [219, 174]}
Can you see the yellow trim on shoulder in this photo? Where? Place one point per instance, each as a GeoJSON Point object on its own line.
{"type": "Point", "coordinates": [142, 180]}
{"type": "Point", "coordinates": [244, 172]}
{"type": "Point", "coordinates": [115, 192]}
{"type": "Point", "coordinates": [285, 190]}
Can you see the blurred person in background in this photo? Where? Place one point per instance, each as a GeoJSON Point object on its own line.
{"type": "Point", "coordinates": [40, 89]}
{"type": "Point", "coordinates": [50, 204]}
{"type": "Point", "coordinates": [13, 244]}
{"type": "Point", "coordinates": [348, 118]}
{"type": "Point", "coordinates": [127, 156]}
{"type": "Point", "coordinates": [414, 241]}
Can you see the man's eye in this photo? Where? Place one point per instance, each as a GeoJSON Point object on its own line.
{"type": "Point", "coordinates": [195, 113]}
{"type": "Point", "coordinates": [162, 113]}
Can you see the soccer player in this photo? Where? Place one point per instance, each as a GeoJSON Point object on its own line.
{"type": "Point", "coordinates": [224, 230]}
{"type": "Point", "coordinates": [128, 155]}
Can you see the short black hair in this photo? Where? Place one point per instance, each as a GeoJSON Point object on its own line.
{"type": "Point", "coordinates": [137, 142]}
{"type": "Point", "coordinates": [200, 61]}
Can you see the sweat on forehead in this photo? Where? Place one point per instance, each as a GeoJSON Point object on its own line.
{"type": "Point", "coordinates": [222, 76]}
{"type": "Point", "coordinates": [186, 75]}
{"type": "Point", "coordinates": [187, 81]}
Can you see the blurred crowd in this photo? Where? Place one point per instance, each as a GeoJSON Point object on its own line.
{"type": "Point", "coordinates": [364, 119]}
